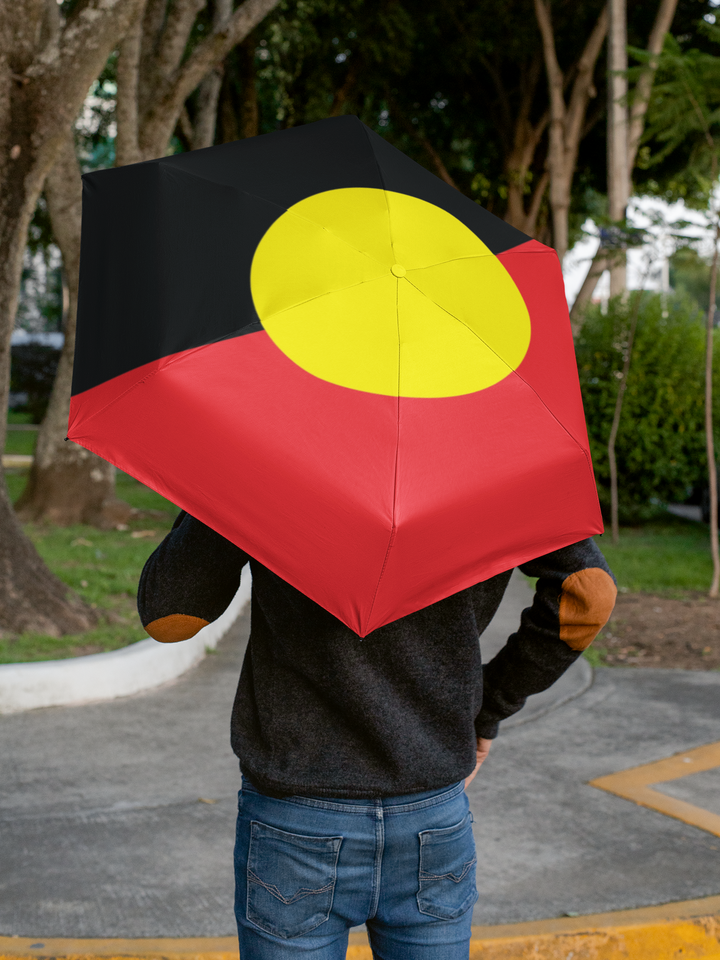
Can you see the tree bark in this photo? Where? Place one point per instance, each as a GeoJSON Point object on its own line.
{"type": "Point", "coordinates": [566, 119]}
{"type": "Point", "coordinates": [46, 68]}
{"type": "Point", "coordinates": [249, 110]}
{"type": "Point", "coordinates": [208, 93]}
{"type": "Point", "coordinates": [165, 79]}
{"type": "Point", "coordinates": [68, 484]}
{"type": "Point", "coordinates": [618, 175]}
{"type": "Point", "coordinates": [598, 266]}
{"type": "Point", "coordinates": [643, 88]}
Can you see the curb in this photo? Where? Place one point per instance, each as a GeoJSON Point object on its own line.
{"type": "Point", "coordinates": [17, 460]}
{"type": "Point", "coordinates": [690, 929]}
{"type": "Point", "coordinates": [118, 673]}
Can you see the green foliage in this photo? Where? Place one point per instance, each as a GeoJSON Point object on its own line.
{"type": "Point", "coordinates": [683, 117]}
{"type": "Point", "coordinates": [690, 276]}
{"type": "Point", "coordinates": [661, 442]}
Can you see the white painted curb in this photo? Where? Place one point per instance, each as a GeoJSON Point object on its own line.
{"type": "Point", "coordinates": [119, 673]}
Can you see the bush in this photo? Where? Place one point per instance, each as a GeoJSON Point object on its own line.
{"type": "Point", "coordinates": [660, 446]}
{"type": "Point", "coordinates": [32, 373]}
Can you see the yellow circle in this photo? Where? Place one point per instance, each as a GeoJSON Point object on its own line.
{"type": "Point", "coordinates": [385, 293]}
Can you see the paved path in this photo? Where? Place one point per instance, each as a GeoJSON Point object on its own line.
{"type": "Point", "coordinates": [102, 833]}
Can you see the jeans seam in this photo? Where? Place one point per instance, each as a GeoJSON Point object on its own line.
{"type": "Point", "coordinates": [377, 864]}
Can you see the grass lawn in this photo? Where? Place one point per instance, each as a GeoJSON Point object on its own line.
{"type": "Point", "coordinates": [668, 555]}
{"type": "Point", "coordinates": [103, 567]}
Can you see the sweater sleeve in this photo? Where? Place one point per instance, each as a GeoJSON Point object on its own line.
{"type": "Point", "coordinates": [573, 601]}
{"type": "Point", "coordinates": [188, 581]}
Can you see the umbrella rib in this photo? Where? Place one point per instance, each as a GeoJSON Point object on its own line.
{"type": "Point", "coordinates": [510, 369]}
{"type": "Point", "coordinates": [474, 256]}
{"type": "Point", "coordinates": [327, 293]}
{"type": "Point", "coordinates": [274, 203]}
{"type": "Point", "coordinates": [336, 237]}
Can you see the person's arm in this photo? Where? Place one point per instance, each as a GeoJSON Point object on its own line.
{"type": "Point", "coordinates": [188, 581]}
{"type": "Point", "coordinates": [574, 598]}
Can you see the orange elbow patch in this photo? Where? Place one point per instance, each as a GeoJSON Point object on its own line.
{"type": "Point", "coordinates": [587, 600]}
{"type": "Point", "coordinates": [177, 626]}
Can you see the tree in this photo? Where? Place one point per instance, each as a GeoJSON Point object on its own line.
{"type": "Point", "coordinates": [685, 108]}
{"type": "Point", "coordinates": [625, 130]}
{"type": "Point", "coordinates": [68, 484]}
{"type": "Point", "coordinates": [47, 63]}
{"type": "Point", "coordinates": [618, 173]}
{"type": "Point", "coordinates": [566, 119]}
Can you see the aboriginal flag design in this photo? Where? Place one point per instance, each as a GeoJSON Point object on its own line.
{"type": "Point", "coordinates": [341, 364]}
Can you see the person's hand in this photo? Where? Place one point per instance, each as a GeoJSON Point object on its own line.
{"type": "Point", "coordinates": [483, 749]}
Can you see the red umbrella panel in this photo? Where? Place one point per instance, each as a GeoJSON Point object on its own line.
{"type": "Point", "coordinates": [335, 360]}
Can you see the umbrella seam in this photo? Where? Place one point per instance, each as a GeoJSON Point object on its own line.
{"type": "Point", "coordinates": [512, 370]}
{"type": "Point", "coordinates": [274, 203]}
{"type": "Point", "coordinates": [393, 528]}
{"type": "Point", "coordinates": [327, 293]}
{"type": "Point", "coordinates": [180, 355]}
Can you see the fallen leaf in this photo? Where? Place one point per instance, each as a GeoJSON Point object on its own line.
{"type": "Point", "coordinates": [206, 800]}
{"type": "Point", "coordinates": [80, 542]}
{"type": "Point", "coordinates": [138, 534]}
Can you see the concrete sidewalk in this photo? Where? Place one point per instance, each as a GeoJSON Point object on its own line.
{"type": "Point", "coordinates": [104, 831]}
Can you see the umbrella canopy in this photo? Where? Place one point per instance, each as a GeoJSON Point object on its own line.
{"type": "Point", "coordinates": [337, 361]}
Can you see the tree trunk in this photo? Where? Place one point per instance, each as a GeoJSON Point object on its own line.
{"type": "Point", "coordinates": [618, 176]}
{"type": "Point", "coordinates": [68, 484]}
{"type": "Point", "coordinates": [640, 101]}
{"type": "Point", "coordinates": [46, 68]}
{"type": "Point", "coordinates": [598, 266]}
{"type": "Point", "coordinates": [166, 78]}
{"type": "Point", "coordinates": [208, 93]}
{"type": "Point", "coordinates": [566, 119]}
{"type": "Point", "coordinates": [249, 110]}
{"type": "Point", "coordinates": [31, 597]}
{"type": "Point", "coordinates": [709, 439]}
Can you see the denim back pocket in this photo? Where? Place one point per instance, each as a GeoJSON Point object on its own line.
{"type": "Point", "coordinates": [447, 871]}
{"type": "Point", "coordinates": [291, 880]}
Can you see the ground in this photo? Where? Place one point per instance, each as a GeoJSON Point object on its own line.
{"type": "Point", "coordinates": [651, 630]}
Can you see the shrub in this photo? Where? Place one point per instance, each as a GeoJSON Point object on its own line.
{"type": "Point", "coordinates": [661, 441]}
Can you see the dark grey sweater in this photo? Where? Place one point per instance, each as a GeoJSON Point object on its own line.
{"type": "Point", "coordinates": [321, 711]}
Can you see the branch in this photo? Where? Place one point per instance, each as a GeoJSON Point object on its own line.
{"type": "Point", "coordinates": [584, 81]}
{"type": "Point", "coordinates": [127, 148]}
{"type": "Point", "coordinates": [216, 47]}
{"type": "Point", "coordinates": [68, 69]}
{"type": "Point", "coordinates": [174, 36]}
{"type": "Point", "coordinates": [535, 203]}
{"type": "Point", "coordinates": [643, 88]}
{"type": "Point", "coordinates": [436, 159]}
{"type": "Point", "coordinates": [598, 266]}
{"type": "Point", "coordinates": [552, 67]}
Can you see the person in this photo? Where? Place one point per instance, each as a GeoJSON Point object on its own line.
{"type": "Point", "coordinates": [355, 752]}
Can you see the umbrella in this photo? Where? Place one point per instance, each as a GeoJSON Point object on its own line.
{"type": "Point", "coordinates": [343, 365]}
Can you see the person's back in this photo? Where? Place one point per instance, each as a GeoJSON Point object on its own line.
{"type": "Point", "coordinates": [354, 750]}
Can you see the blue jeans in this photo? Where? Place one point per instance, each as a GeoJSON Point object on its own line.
{"type": "Point", "coordinates": [307, 869]}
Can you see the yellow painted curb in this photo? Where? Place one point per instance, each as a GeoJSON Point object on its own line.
{"type": "Point", "coordinates": [675, 931]}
